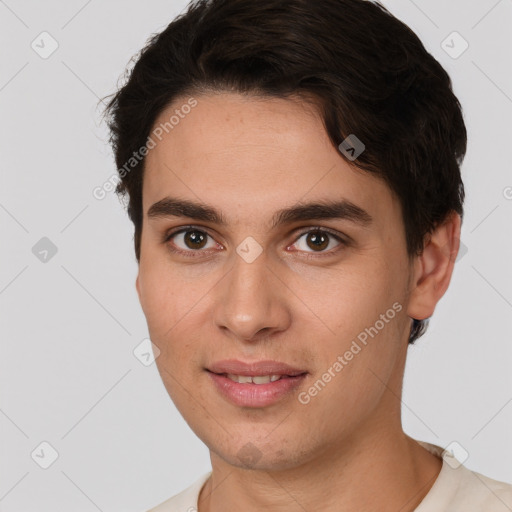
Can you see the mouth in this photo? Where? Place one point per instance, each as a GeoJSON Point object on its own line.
{"type": "Point", "coordinates": [256, 391]}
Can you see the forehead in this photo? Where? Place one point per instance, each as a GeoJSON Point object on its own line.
{"type": "Point", "coordinates": [253, 156]}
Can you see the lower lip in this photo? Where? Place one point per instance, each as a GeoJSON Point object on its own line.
{"type": "Point", "coordinates": [255, 395]}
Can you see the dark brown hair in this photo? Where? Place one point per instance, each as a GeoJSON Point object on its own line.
{"type": "Point", "coordinates": [368, 73]}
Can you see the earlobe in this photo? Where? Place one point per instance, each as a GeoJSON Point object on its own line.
{"type": "Point", "coordinates": [434, 267]}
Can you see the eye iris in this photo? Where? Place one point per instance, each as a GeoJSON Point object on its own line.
{"type": "Point", "coordinates": [319, 240]}
{"type": "Point", "coordinates": [197, 239]}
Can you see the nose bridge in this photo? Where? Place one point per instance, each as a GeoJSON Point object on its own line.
{"type": "Point", "coordinates": [250, 300]}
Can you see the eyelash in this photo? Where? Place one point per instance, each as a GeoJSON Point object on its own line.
{"type": "Point", "coordinates": [197, 253]}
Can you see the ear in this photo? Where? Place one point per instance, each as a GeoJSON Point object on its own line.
{"type": "Point", "coordinates": [434, 267]}
{"type": "Point", "coordinates": [137, 286]}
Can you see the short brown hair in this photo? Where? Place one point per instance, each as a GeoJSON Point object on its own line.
{"type": "Point", "coordinates": [368, 72]}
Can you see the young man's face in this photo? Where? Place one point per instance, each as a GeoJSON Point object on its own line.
{"type": "Point", "coordinates": [255, 288]}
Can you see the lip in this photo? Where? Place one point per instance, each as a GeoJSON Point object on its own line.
{"type": "Point", "coordinates": [267, 367]}
{"type": "Point", "coordinates": [255, 395]}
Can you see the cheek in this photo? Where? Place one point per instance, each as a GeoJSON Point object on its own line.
{"type": "Point", "coordinates": [163, 299]}
{"type": "Point", "coordinates": [172, 304]}
{"type": "Point", "coordinates": [163, 287]}
{"type": "Point", "coordinates": [352, 296]}
{"type": "Point", "coordinates": [158, 301]}
{"type": "Point", "coordinates": [362, 309]}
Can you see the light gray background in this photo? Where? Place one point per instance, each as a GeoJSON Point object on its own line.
{"type": "Point", "coordinates": [69, 326]}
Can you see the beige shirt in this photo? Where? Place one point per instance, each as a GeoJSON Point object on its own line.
{"type": "Point", "coordinates": [456, 489]}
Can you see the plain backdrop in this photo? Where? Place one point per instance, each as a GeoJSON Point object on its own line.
{"type": "Point", "coordinates": [70, 317]}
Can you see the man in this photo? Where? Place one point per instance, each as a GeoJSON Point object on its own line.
{"type": "Point", "coordinates": [294, 181]}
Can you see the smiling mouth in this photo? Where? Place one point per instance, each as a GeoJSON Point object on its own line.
{"type": "Point", "coordinates": [256, 391]}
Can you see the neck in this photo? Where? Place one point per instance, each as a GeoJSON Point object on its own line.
{"type": "Point", "coordinates": [388, 474]}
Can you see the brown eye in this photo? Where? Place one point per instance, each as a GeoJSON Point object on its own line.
{"type": "Point", "coordinates": [317, 240]}
{"type": "Point", "coordinates": [195, 239]}
{"type": "Point", "coordinates": [190, 240]}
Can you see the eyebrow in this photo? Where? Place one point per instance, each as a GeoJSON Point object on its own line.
{"type": "Point", "coordinates": [341, 209]}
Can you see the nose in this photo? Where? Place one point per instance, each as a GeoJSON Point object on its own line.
{"type": "Point", "coordinates": [252, 303]}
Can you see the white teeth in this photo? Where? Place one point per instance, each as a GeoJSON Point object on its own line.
{"type": "Point", "coordinates": [263, 379]}
{"type": "Point", "coordinates": [260, 379]}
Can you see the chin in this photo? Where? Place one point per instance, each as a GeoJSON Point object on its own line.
{"type": "Point", "coordinates": [262, 456]}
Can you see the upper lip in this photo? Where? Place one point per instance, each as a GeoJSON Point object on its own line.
{"type": "Point", "coordinates": [267, 367]}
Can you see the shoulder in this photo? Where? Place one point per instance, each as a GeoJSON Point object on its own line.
{"type": "Point", "coordinates": [460, 489]}
{"type": "Point", "coordinates": [483, 494]}
{"type": "Point", "coordinates": [186, 500]}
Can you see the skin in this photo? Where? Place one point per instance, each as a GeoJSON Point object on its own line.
{"type": "Point", "coordinates": [345, 450]}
